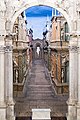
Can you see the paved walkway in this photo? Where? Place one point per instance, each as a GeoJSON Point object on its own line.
{"type": "Point", "coordinates": [38, 93]}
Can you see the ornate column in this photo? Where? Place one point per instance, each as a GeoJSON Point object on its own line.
{"type": "Point", "coordinates": [73, 66]}
{"type": "Point", "coordinates": [2, 47]}
{"type": "Point", "coordinates": [78, 104]}
{"type": "Point", "coordinates": [2, 86]}
{"type": "Point", "coordinates": [9, 78]}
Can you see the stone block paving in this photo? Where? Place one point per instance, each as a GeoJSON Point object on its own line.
{"type": "Point", "coordinates": [39, 93]}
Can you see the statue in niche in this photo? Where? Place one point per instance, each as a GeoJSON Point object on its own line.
{"type": "Point", "coordinates": [38, 51]}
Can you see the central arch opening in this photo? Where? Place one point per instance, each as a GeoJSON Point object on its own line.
{"type": "Point", "coordinates": [33, 78]}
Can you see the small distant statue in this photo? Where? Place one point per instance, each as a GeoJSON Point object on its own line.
{"type": "Point", "coordinates": [38, 50]}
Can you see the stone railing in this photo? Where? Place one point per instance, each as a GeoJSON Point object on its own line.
{"type": "Point", "coordinates": [59, 44]}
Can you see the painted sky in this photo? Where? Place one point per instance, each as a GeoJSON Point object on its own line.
{"type": "Point", "coordinates": [37, 17]}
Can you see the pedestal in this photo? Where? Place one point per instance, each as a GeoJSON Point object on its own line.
{"type": "Point", "coordinates": [41, 114]}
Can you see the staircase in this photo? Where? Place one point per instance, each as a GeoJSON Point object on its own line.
{"type": "Point", "coordinates": [38, 93]}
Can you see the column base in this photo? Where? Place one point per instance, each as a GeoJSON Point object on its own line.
{"type": "Point", "coordinates": [71, 117]}
{"type": "Point", "coordinates": [10, 111]}
{"type": "Point", "coordinates": [78, 111]}
{"type": "Point", "coordinates": [2, 111]}
{"type": "Point", "coordinates": [72, 110]}
{"type": "Point", "coordinates": [11, 118]}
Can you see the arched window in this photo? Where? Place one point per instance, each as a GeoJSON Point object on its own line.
{"type": "Point", "coordinates": [66, 72]}
{"type": "Point", "coordinates": [66, 31]}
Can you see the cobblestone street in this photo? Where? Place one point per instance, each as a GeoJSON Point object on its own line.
{"type": "Point", "coordinates": [38, 93]}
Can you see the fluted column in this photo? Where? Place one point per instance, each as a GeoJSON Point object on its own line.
{"type": "Point", "coordinates": [9, 79]}
{"type": "Point", "coordinates": [78, 104]}
{"type": "Point", "coordinates": [2, 47]}
{"type": "Point", "coordinates": [73, 66]}
{"type": "Point", "coordinates": [2, 87]}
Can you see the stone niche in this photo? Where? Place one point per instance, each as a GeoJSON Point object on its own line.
{"type": "Point", "coordinates": [41, 114]}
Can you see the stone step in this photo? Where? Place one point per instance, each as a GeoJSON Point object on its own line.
{"type": "Point", "coordinates": [39, 92]}
{"type": "Point", "coordinates": [39, 87]}
{"type": "Point", "coordinates": [38, 83]}
{"type": "Point", "coordinates": [39, 96]}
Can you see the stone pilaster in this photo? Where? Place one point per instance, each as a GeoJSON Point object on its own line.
{"type": "Point", "coordinates": [2, 97]}
{"type": "Point", "coordinates": [73, 66]}
{"type": "Point", "coordinates": [9, 79]}
{"type": "Point", "coordinates": [20, 63]}
{"type": "Point", "coordinates": [78, 104]}
{"type": "Point", "coordinates": [2, 47]}
{"type": "Point", "coordinates": [58, 30]}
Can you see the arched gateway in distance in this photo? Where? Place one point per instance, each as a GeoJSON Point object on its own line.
{"type": "Point", "coordinates": [9, 11]}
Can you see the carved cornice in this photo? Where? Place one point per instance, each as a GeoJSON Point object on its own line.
{"type": "Point", "coordinates": [75, 34]}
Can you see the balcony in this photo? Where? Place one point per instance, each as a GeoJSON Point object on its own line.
{"type": "Point", "coordinates": [59, 44]}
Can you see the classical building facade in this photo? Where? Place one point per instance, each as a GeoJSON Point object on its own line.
{"type": "Point", "coordinates": [59, 42]}
{"type": "Point", "coordinates": [21, 53]}
{"type": "Point", "coordinates": [56, 52]}
{"type": "Point", "coordinates": [9, 11]}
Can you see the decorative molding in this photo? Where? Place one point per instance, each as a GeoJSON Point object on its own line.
{"type": "Point", "coordinates": [75, 34]}
{"type": "Point", "coordinates": [64, 4]}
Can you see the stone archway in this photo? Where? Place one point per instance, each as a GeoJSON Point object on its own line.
{"type": "Point", "coordinates": [70, 10]}
{"type": "Point", "coordinates": [38, 43]}
{"type": "Point", "coordinates": [61, 7]}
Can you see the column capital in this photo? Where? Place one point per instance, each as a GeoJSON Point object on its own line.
{"type": "Point", "coordinates": [11, 102]}
{"type": "Point", "coordinates": [79, 50]}
{"type": "Point", "coordinates": [9, 36]}
{"type": "Point", "coordinates": [2, 48]}
{"type": "Point", "coordinates": [71, 102]}
{"type": "Point", "coordinates": [8, 48]}
{"type": "Point", "coordinates": [73, 48]}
